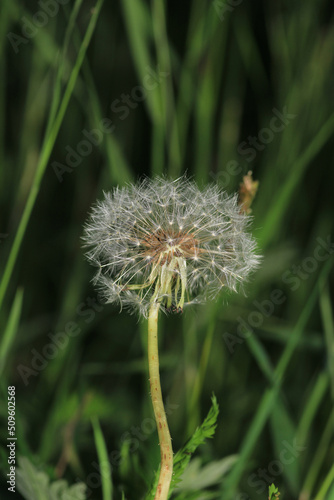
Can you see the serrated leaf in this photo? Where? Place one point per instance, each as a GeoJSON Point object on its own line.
{"type": "Point", "coordinates": [205, 431]}
{"type": "Point", "coordinates": [273, 492]}
{"type": "Point", "coordinates": [35, 485]}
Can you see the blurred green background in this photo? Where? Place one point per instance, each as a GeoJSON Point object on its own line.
{"type": "Point", "coordinates": [94, 95]}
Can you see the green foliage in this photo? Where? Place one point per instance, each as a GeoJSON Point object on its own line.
{"type": "Point", "coordinates": [203, 432]}
{"type": "Point", "coordinates": [183, 456]}
{"type": "Point", "coordinates": [273, 492]}
{"type": "Point", "coordinates": [35, 485]}
{"type": "Point", "coordinates": [226, 69]}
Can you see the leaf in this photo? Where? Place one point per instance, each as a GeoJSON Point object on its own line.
{"type": "Point", "coordinates": [35, 485]}
{"type": "Point", "coordinates": [205, 431]}
{"type": "Point", "coordinates": [273, 492]}
{"type": "Point", "coordinates": [196, 478]}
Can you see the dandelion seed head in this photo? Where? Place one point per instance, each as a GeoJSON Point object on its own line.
{"type": "Point", "coordinates": [168, 242]}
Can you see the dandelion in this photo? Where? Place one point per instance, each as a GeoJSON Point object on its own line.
{"type": "Point", "coordinates": [162, 245]}
{"type": "Point", "coordinates": [169, 243]}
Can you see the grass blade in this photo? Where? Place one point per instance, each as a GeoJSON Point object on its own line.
{"type": "Point", "coordinates": [105, 469]}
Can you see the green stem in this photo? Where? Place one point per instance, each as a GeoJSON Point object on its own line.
{"type": "Point", "coordinates": [166, 449]}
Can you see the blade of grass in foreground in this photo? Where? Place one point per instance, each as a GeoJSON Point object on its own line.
{"type": "Point", "coordinates": [268, 400]}
{"type": "Point", "coordinates": [103, 460]}
{"type": "Point", "coordinates": [45, 153]}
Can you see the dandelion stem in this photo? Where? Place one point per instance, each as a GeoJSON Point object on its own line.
{"type": "Point", "coordinates": [158, 406]}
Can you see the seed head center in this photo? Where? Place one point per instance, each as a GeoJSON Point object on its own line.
{"type": "Point", "coordinates": [161, 246]}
